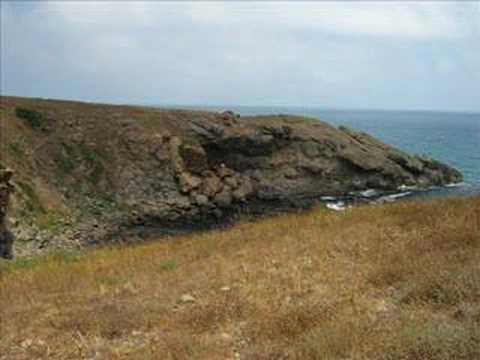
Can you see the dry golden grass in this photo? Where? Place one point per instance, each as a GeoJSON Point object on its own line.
{"type": "Point", "coordinates": [392, 282]}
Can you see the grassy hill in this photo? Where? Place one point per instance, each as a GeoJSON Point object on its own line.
{"type": "Point", "coordinates": [69, 160]}
{"type": "Point", "coordinates": [399, 281]}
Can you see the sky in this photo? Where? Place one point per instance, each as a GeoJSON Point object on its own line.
{"type": "Point", "coordinates": [372, 55]}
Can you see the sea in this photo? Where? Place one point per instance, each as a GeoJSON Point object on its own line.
{"type": "Point", "coordinates": [451, 137]}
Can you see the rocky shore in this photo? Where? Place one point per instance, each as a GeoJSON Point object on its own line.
{"type": "Point", "coordinates": [90, 173]}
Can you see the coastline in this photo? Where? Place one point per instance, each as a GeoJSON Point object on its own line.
{"type": "Point", "coordinates": [376, 197]}
{"type": "Point", "coordinates": [120, 174]}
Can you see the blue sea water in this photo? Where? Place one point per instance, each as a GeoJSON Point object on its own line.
{"type": "Point", "coordinates": [451, 137]}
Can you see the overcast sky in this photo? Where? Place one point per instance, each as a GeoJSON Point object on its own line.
{"type": "Point", "coordinates": [414, 55]}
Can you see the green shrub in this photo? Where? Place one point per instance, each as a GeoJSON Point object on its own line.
{"type": "Point", "coordinates": [34, 118]}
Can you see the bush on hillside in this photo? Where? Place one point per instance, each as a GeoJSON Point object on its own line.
{"type": "Point", "coordinates": [33, 118]}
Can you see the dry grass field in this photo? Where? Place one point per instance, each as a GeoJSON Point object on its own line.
{"type": "Point", "coordinates": [399, 281]}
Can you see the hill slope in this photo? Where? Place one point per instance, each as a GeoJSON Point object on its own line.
{"type": "Point", "coordinates": [400, 281]}
{"type": "Point", "coordinates": [87, 173]}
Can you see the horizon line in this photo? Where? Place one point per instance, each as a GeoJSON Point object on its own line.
{"type": "Point", "coordinates": [226, 106]}
{"type": "Point", "coordinates": [308, 107]}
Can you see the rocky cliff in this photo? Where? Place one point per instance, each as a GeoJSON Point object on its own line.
{"type": "Point", "coordinates": [6, 237]}
{"type": "Point", "coordinates": [87, 173]}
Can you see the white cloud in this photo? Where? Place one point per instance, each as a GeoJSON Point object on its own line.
{"type": "Point", "coordinates": [401, 19]}
{"type": "Point", "coordinates": [97, 13]}
{"type": "Point", "coordinates": [244, 52]}
{"type": "Point", "coordinates": [246, 35]}
{"type": "Point", "coordinates": [414, 20]}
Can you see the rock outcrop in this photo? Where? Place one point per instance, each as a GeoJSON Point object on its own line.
{"type": "Point", "coordinates": [6, 237]}
{"type": "Point", "coordinates": [119, 172]}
